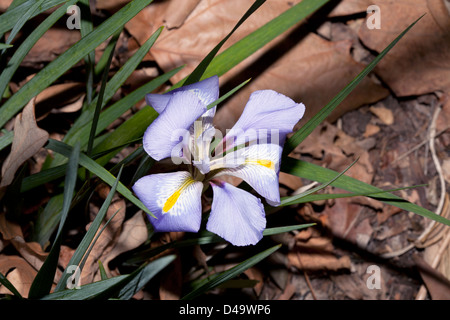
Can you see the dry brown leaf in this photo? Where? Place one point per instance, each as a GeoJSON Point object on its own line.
{"type": "Point", "coordinates": [337, 150]}
{"type": "Point", "coordinates": [383, 113]}
{"type": "Point", "coordinates": [107, 240]}
{"type": "Point", "coordinates": [255, 274]}
{"type": "Point", "coordinates": [290, 181]}
{"type": "Point", "coordinates": [71, 107]}
{"type": "Point", "coordinates": [420, 61]}
{"type": "Point", "coordinates": [59, 96]}
{"type": "Point", "coordinates": [28, 139]}
{"type": "Point", "coordinates": [178, 11]}
{"type": "Point", "coordinates": [348, 7]}
{"type": "Point", "coordinates": [134, 233]}
{"type": "Point", "coordinates": [318, 261]}
{"type": "Point", "coordinates": [32, 252]}
{"type": "Point", "coordinates": [371, 129]}
{"type": "Point", "coordinates": [53, 43]}
{"type": "Point", "coordinates": [4, 4]}
{"type": "Point", "coordinates": [214, 19]}
{"type": "Point", "coordinates": [18, 272]}
{"type": "Point", "coordinates": [437, 284]}
{"type": "Point", "coordinates": [171, 281]}
{"type": "Point", "coordinates": [110, 4]}
{"type": "Point", "coordinates": [288, 292]}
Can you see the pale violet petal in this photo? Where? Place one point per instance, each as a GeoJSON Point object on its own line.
{"type": "Point", "coordinates": [158, 101]}
{"type": "Point", "coordinates": [267, 113]}
{"type": "Point", "coordinates": [174, 198]}
{"type": "Point", "coordinates": [206, 90]}
{"type": "Point", "coordinates": [258, 165]}
{"type": "Point", "coordinates": [171, 128]}
{"type": "Point", "coordinates": [236, 215]}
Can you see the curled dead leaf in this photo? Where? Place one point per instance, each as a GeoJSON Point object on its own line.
{"type": "Point", "coordinates": [420, 62]}
{"type": "Point", "coordinates": [28, 139]}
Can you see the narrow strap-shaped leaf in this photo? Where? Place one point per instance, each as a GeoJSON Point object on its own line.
{"type": "Point", "coordinates": [287, 201]}
{"type": "Point", "coordinates": [99, 103]}
{"type": "Point", "coordinates": [231, 273]}
{"type": "Point", "coordinates": [98, 170]}
{"type": "Point", "coordinates": [28, 43]}
{"type": "Point", "coordinates": [10, 17]}
{"type": "Point", "coordinates": [5, 46]}
{"type": "Point", "coordinates": [87, 241]}
{"type": "Point", "coordinates": [66, 60]}
{"type": "Point", "coordinates": [103, 274]}
{"type": "Point", "coordinates": [313, 190]}
{"type": "Point", "coordinates": [86, 292]}
{"type": "Point", "coordinates": [8, 285]}
{"type": "Point", "coordinates": [21, 21]}
{"type": "Point", "coordinates": [314, 172]}
{"type": "Point", "coordinates": [42, 283]}
{"type": "Point", "coordinates": [87, 27]}
{"type": "Point", "coordinates": [305, 130]}
{"type": "Point", "coordinates": [6, 139]}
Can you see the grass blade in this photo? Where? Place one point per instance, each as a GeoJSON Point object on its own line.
{"type": "Point", "coordinates": [305, 130]}
{"type": "Point", "coordinates": [70, 57]}
{"type": "Point", "coordinates": [100, 101]}
{"type": "Point", "coordinates": [86, 28]}
{"type": "Point", "coordinates": [10, 17]}
{"type": "Point", "coordinates": [21, 21]}
{"type": "Point", "coordinates": [42, 283]}
{"type": "Point", "coordinates": [8, 285]}
{"type": "Point", "coordinates": [6, 139]}
{"type": "Point", "coordinates": [286, 201]}
{"type": "Point", "coordinates": [28, 43]}
{"type": "Point", "coordinates": [313, 190]}
{"type": "Point", "coordinates": [231, 273]}
{"type": "Point", "coordinates": [87, 291]}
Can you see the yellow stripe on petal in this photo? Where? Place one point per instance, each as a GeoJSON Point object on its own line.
{"type": "Point", "coordinates": [170, 202]}
{"type": "Point", "coordinates": [265, 163]}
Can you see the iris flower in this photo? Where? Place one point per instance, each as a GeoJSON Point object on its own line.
{"type": "Point", "coordinates": [184, 131]}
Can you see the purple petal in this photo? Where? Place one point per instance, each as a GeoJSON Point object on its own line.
{"type": "Point", "coordinates": [171, 127]}
{"type": "Point", "coordinates": [268, 111]}
{"type": "Point", "coordinates": [174, 198]}
{"type": "Point", "coordinates": [236, 215]}
{"type": "Point", "coordinates": [206, 90]}
{"type": "Point", "coordinates": [258, 165]}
